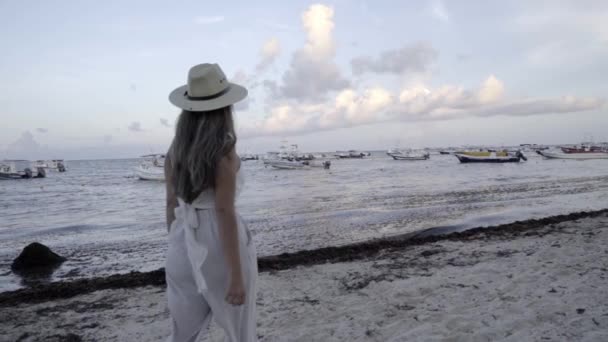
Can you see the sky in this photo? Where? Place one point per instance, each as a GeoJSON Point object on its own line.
{"type": "Point", "coordinates": [91, 79]}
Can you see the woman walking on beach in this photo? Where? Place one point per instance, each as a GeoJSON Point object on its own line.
{"type": "Point", "coordinates": [211, 264]}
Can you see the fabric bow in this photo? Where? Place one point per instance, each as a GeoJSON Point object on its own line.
{"type": "Point", "coordinates": [186, 214]}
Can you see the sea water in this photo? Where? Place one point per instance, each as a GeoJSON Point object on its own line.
{"type": "Point", "coordinates": [106, 221]}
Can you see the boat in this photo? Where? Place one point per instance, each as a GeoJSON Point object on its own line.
{"type": "Point", "coordinates": [446, 152]}
{"type": "Point", "coordinates": [286, 164]}
{"type": "Point", "coordinates": [351, 154]}
{"type": "Point", "coordinates": [584, 149]}
{"type": "Point", "coordinates": [53, 165]}
{"type": "Point", "coordinates": [20, 169]}
{"type": "Point", "coordinates": [411, 156]}
{"type": "Point", "coordinates": [573, 155]}
{"type": "Point", "coordinates": [490, 157]}
{"type": "Point", "coordinates": [246, 157]}
{"type": "Point", "coordinates": [397, 154]}
{"type": "Point", "coordinates": [151, 168]}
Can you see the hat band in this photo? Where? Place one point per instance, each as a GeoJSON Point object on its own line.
{"type": "Point", "coordinates": [210, 97]}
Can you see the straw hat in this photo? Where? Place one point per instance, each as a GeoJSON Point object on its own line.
{"type": "Point", "coordinates": [207, 89]}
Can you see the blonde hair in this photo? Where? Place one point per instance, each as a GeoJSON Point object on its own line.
{"type": "Point", "coordinates": [201, 140]}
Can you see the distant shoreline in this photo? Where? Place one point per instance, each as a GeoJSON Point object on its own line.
{"type": "Point", "coordinates": [345, 253]}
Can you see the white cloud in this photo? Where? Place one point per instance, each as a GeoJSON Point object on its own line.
{"type": "Point", "coordinates": [417, 103]}
{"type": "Point", "coordinates": [491, 90]}
{"type": "Point", "coordinates": [135, 126]}
{"type": "Point", "coordinates": [313, 73]}
{"type": "Point", "coordinates": [268, 54]}
{"type": "Point", "coordinates": [439, 11]}
{"type": "Point", "coordinates": [410, 58]}
{"type": "Point", "coordinates": [206, 20]}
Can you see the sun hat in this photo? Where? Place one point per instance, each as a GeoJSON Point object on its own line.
{"type": "Point", "coordinates": [207, 89]}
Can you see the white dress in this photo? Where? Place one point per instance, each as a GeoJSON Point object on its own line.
{"type": "Point", "coordinates": [197, 274]}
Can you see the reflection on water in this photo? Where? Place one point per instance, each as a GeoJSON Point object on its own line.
{"type": "Point", "coordinates": [106, 221]}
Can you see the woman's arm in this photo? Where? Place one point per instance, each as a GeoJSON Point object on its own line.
{"type": "Point", "coordinates": [225, 188]}
{"type": "Point", "coordinates": [171, 203]}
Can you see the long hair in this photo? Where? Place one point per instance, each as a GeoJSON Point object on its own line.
{"type": "Point", "coordinates": [201, 140]}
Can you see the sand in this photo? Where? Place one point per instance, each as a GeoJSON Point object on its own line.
{"type": "Point", "coordinates": [544, 283]}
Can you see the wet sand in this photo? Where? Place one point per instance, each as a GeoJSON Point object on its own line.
{"type": "Point", "coordinates": [532, 280]}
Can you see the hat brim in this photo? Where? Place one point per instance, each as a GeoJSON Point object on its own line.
{"type": "Point", "coordinates": [179, 98]}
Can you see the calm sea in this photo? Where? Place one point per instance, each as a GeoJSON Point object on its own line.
{"type": "Point", "coordinates": [106, 221]}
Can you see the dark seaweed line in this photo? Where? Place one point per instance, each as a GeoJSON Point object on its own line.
{"type": "Point", "coordinates": [345, 253]}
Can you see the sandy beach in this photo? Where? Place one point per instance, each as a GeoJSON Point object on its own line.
{"type": "Point", "coordinates": [543, 280]}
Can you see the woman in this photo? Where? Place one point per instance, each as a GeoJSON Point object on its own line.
{"type": "Point", "coordinates": [211, 265]}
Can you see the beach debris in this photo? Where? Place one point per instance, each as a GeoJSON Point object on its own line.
{"type": "Point", "coordinates": [430, 252]}
{"type": "Point", "coordinates": [36, 256]}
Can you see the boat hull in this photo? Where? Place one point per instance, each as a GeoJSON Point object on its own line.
{"type": "Point", "coordinates": [575, 156]}
{"type": "Point", "coordinates": [497, 160]}
{"type": "Point", "coordinates": [398, 157]}
{"type": "Point", "coordinates": [286, 165]}
{"type": "Point", "coordinates": [150, 175]}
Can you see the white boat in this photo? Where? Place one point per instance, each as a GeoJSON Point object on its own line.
{"type": "Point", "coordinates": [151, 168]}
{"type": "Point", "coordinates": [20, 169]}
{"type": "Point", "coordinates": [398, 154]}
{"type": "Point", "coordinates": [411, 156]}
{"type": "Point", "coordinates": [576, 156]}
{"type": "Point", "coordinates": [53, 165]}
{"type": "Point", "coordinates": [286, 164]}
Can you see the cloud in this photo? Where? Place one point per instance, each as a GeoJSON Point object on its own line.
{"type": "Point", "coordinates": [165, 122]}
{"type": "Point", "coordinates": [439, 12]}
{"type": "Point", "coordinates": [312, 73]}
{"type": "Point", "coordinates": [269, 52]}
{"type": "Point", "coordinates": [410, 58]}
{"type": "Point", "coordinates": [25, 147]}
{"type": "Point", "coordinates": [135, 126]}
{"type": "Point", "coordinates": [206, 20]}
{"type": "Point", "coordinates": [42, 130]}
{"type": "Point", "coordinates": [416, 103]}
{"type": "Point", "coordinates": [107, 139]}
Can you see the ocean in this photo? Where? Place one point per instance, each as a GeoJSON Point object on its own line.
{"type": "Point", "coordinates": [106, 221]}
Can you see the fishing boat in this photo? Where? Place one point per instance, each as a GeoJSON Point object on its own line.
{"type": "Point", "coordinates": [247, 157]}
{"type": "Point", "coordinates": [351, 154]}
{"type": "Point", "coordinates": [397, 154]}
{"type": "Point", "coordinates": [286, 164]}
{"type": "Point", "coordinates": [20, 169]}
{"type": "Point", "coordinates": [424, 156]}
{"type": "Point", "coordinates": [573, 155]}
{"type": "Point", "coordinates": [584, 149]}
{"type": "Point", "coordinates": [52, 165]}
{"type": "Point", "coordinates": [490, 157]}
{"type": "Point", "coordinates": [151, 168]}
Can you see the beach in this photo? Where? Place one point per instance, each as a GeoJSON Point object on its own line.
{"type": "Point", "coordinates": [536, 280]}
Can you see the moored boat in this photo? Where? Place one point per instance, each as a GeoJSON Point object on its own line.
{"type": "Point", "coordinates": [397, 154]}
{"type": "Point", "coordinates": [490, 157]}
{"type": "Point", "coordinates": [286, 164]}
{"type": "Point", "coordinates": [573, 155]}
{"type": "Point", "coordinates": [52, 165]}
{"type": "Point", "coordinates": [20, 169]}
{"type": "Point", "coordinates": [151, 168]}
{"type": "Point", "coordinates": [351, 154]}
